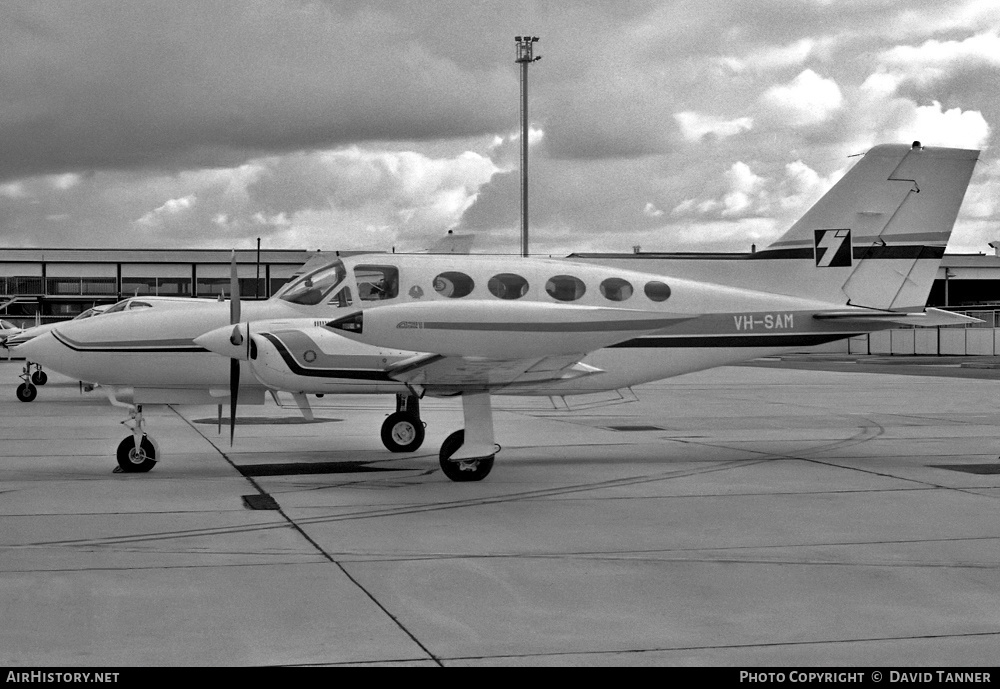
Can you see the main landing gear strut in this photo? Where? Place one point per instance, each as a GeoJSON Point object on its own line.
{"type": "Point", "coordinates": [467, 455]}
{"type": "Point", "coordinates": [26, 391]}
{"type": "Point", "coordinates": [403, 431]}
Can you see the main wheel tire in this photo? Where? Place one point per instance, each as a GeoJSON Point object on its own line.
{"type": "Point", "coordinates": [402, 432]}
{"type": "Point", "coordinates": [466, 469]}
{"type": "Point", "coordinates": [26, 392]}
{"type": "Point", "coordinates": [39, 378]}
{"type": "Point", "coordinates": [135, 461]}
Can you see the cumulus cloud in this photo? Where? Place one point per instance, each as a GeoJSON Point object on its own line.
{"type": "Point", "coordinates": [806, 100]}
{"type": "Point", "coordinates": [772, 57]}
{"type": "Point", "coordinates": [651, 211]}
{"type": "Point", "coordinates": [934, 59]}
{"type": "Point", "coordinates": [171, 207]}
{"type": "Point", "coordinates": [951, 127]}
{"type": "Point", "coordinates": [695, 126]}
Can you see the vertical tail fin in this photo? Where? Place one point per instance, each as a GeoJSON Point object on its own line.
{"type": "Point", "coordinates": [877, 237]}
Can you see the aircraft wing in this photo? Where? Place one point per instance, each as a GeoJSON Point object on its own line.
{"type": "Point", "coordinates": [457, 374]}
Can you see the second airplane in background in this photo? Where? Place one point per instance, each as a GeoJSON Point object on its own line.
{"type": "Point", "coordinates": [862, 259]}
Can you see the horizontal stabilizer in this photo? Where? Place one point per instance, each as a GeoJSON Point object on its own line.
{"type": "Point", "coordinates": [929, 318]}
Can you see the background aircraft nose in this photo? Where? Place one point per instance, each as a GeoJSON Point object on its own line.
{"type": "Point", "coordinates": [39, 349]}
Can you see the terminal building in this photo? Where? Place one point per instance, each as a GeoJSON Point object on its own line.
{"type": "Point", "coordinates": [57, 284]}
{"type": "Point", "coordinates": [45, 285]}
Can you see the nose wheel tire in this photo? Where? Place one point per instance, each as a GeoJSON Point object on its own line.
{"type": "Point", "coordinates": [132, 460]}
{"type": "Point", "coordinates": [26, 392]}
{"type": "Point", "coordinates": [402, 432]}
{"type": "Point", "coordinates": [39, 378]}
{"type": "Point", "coordinates": [466, 469]}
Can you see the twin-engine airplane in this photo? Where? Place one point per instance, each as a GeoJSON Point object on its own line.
{"type": "Point", "coordinates": [862, 259]}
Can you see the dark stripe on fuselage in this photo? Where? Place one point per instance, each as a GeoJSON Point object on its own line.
{"type": "Point", "coordinates": [860, 252]}
{"type": "Point", "coordinates": [716, 341]}
{"type": "Point", "coordinates": [125, 348]}
{"type": "Point", "coordinates": [298, 369]}
{"type": "Point", "coordinates": [519, 327]}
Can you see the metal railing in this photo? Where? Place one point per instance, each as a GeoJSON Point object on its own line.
{"type": "Point", "coordinates": [22, 286]}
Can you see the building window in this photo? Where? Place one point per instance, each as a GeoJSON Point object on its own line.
{"type": "Point", "coordinates": [657, 291]}
{"type": "Point", "coordinates": [180, 287]}
{"type": "Point", "coordinates": [81, 286]}
{"type": "Point", "coordinates": [453, 285]}
{"type": "Point", "coordinates": [507, 286]}
{"type": "Point", "coordinates": [213, 287]}
{"type": "Point", "coordinates": [135, 286]}
{"type": "Point", "coordinates": [277, 284]}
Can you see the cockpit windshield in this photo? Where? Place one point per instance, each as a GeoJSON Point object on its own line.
{"type": "Point", "coordinates": [311, 288]}
{"type": "Point", "coordinates": [120, 306]}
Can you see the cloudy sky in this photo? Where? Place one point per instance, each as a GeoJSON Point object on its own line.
{"type": "Point", "coordinates": [676, 126]}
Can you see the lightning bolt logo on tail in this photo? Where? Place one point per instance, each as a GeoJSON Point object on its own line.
{"type": "Point", "coordinates": [833, 248]}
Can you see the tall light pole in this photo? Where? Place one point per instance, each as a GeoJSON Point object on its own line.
{"type": "Point", "coordinates": [524, 58]}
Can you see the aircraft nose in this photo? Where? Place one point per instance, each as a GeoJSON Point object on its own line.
{"type": "Point", "coordinates": [42, 349]}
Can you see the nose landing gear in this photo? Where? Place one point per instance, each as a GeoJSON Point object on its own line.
{"type": "Point", "coordinates": [137, 452]}
{"type": "Point", "coordinates": [26, 391]}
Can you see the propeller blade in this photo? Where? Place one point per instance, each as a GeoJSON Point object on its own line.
{"type": "Point", "coordinates": [234, 292]}
{"type": "Point", "coordinates": [234, 392]}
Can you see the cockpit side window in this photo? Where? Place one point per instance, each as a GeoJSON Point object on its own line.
{"type": "Point", "coordinates": [342, 298]}
{"type": "Point", "coordinates": [139, 305]}
{"type": "Point", "coordinates": [310, 289]}
{"type": "Point", "coordinates": [377, 283]}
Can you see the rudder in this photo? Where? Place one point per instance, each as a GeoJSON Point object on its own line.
{"type": "Point", "coordinates": [884, 226]}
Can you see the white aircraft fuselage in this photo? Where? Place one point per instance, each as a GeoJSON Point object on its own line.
{"type": "Point", "coordinates": [685, 327]}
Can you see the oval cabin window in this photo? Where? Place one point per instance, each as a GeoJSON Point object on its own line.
{"type": "Point", "coordinates": [657, 291]}
{"type": "Point", "coordinates": [453, 285]}
{"type": "Point", "coordinates": [507, 286]}
{"type": "Point", "coordinates": [565, 288]}
{"type": "Point", "coordinates": [616, 289]}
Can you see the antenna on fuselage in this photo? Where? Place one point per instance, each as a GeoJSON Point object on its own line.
{"type": "Point", "coordinates": [524, 57]}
